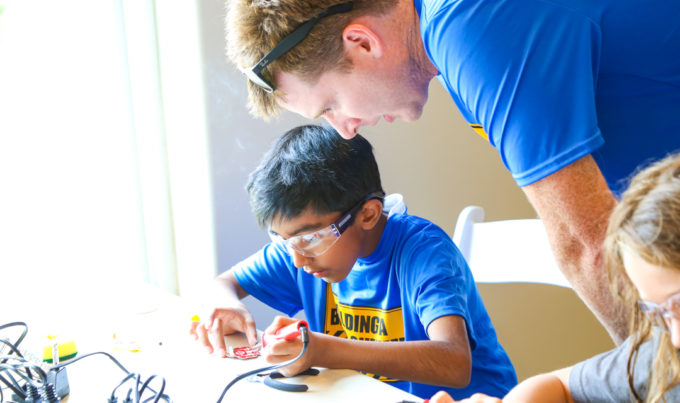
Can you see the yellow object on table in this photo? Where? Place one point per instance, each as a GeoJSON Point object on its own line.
{"type": "Point", "coordinates": [66, 348]}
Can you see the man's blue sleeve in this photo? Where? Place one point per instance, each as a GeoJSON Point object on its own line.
{"type": "Point", "coordinates": [525, 72]}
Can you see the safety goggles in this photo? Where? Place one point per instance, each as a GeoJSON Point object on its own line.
{"type": "Point", "coordinates": [660, 315]}
{"type": "Point", "coordinates": [319, 242]}
{"type": "Point", "coordinates": [288, 43]}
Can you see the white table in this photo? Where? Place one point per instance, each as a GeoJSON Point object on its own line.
{"type": "Point", "coordinates": [158, 325]}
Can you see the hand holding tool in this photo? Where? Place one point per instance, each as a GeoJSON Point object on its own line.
{"type": "Point", "coordinates": [288, 333]}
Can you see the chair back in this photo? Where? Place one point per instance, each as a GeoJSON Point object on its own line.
{"type": "Point", "coordinates": [539, 320]}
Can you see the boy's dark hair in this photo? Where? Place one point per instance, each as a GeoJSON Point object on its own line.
{"type": "Point", "coordinates": [312, 166]}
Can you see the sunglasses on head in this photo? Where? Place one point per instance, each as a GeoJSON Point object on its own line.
{"type": "Point", "coordinates": [254, 73]}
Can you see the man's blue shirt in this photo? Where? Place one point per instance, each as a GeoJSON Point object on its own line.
{"type": "Point", "coordinates": [550, 81]}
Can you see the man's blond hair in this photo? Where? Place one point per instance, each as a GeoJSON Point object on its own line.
{"type": "Point", "coordinates": [254, 27]}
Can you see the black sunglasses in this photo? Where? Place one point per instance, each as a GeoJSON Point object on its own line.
{"type": "Point", "coordinates": [288, 43]}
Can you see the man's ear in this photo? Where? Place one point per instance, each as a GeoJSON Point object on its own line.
{"type": "Point", "coordinates": [359, 40]}
{"type": "Point", "coordinates": [370, 214]}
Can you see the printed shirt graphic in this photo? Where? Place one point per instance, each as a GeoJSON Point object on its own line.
{"type": "Point", "coordinates": [363, 323]}
{"type": "Point", "coordinates": [415, 275]}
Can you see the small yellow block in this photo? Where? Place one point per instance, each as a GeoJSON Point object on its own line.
{"type": "Point", "coordinates": [66, 348]}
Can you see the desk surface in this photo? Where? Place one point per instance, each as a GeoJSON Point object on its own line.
{"type": "Point", "coordinates": [159, 327]}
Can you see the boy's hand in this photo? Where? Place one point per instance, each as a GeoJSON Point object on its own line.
{"type": "Point", "coordinates": [278, 351]}
{"type": "Point", "coordinates": [220, 322]}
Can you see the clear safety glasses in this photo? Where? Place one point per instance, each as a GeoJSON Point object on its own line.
{"type": "Point", "coordinates": [319, 242]}
{"type": "Point", "coordinates": [660, 315]}
{"type": "Point", "coordinates": [254, 73]}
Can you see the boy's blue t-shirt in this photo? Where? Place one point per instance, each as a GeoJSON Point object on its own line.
{"type": "Point", "coordinates": [550, 81]}
{"type": "Point", "coordinates": [415, 275]}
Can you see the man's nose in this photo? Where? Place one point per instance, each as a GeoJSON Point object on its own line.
{"type": "Point", "coordinates": [346, 127]}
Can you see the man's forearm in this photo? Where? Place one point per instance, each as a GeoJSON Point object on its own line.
{"type": "Point", "coordinates": [591, 284]}
{"type": "Point", "coordinates": [432, 362]}
{"type": "Point", "coordinates": [574, 205]}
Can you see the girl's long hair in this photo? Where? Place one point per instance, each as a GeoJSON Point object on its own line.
{"type": "Point", "coordinates": [647, 222]}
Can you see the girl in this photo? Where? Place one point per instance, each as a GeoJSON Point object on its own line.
{"type": "Point", "coordinates": [642, 250]}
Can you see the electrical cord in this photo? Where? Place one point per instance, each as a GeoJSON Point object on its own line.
{"type": "Point", "coordinates": [304, 335]}
{"type": "Point", "coordinates": [12, 383]}
{"type": "Point", "coordinates": [23, 334]}
{"type": "Point", "coordinates": [73, 360]}
{"type": "Point", "coordinates": [129, 375]}
{"type": "Point", "coordinates": [24, 369]}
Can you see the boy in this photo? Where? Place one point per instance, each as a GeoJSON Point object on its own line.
{"type": "Point", "coordinates": [366, 277]}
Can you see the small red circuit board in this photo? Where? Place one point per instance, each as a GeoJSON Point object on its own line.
{"type": "Point", "coordinates": [244, 353]}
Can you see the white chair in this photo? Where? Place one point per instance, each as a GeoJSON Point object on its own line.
{"type": "Point", "coordinates": [506, 251]}
{"type": "Point", "coordinates": [540, 321]}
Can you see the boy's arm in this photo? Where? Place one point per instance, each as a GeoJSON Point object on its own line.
{"type": "Point", "coordinates": [226, 315]}
{"type": "Point", "coordinates": [443, 360]}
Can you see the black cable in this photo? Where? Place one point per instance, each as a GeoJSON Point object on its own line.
{"type": "Point", "coordinates": [16, 388]}
{"type": "Point", "coordinates": [113, 393]}
{"type": "Point", "coordinates": [56, 367]}
{"type": "Point", "coordinates": [71, 361]}
{"type": "Point", "coordinates": [23, 334]}
{"type": "Point", "coordinates": [14, 350]}
{"type": "Point", "coordinates": [25, 365]}
{"type": "Point", "coordinates": [16, 370]}
{"type": "Point", "coordinates": [137, 378]}
{"type": "Point", "coordinates": [305, 343]}
{"type": "Point", "coordinates": [157, 394]}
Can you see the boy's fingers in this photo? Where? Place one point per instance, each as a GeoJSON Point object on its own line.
{"type": "Point", "coordinates": [202, 334]}
{"type": "Point", "coordinates": [252, 335]}
{"type": "Point", "coordinates": [216, 335]}
{"type": "Point", "coordinates": [279, 322]}
{"type": "Point", "coordinates": [192, 329]}
{"type": "Point", "coordinates": [249, 329]}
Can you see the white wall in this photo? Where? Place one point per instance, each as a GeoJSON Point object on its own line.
{"type": "Point", "coordinates": [70, 206]}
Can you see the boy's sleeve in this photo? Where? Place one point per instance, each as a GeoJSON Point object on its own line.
{"type": "Point", "coordinates": [270, 276]}
{"type": "Point", "coordinates": [437, 274]}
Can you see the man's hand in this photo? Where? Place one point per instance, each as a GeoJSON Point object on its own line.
{"type": "Point", "coordinates": [221, 322]}
{"type": "Point", "coordinates": [277, 351]}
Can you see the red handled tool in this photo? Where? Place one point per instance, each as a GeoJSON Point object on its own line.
{"type": "Point", "coordinates": [288, 333]}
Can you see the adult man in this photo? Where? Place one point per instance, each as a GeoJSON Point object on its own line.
{"type": "Point", "coordinates": [573, 94]}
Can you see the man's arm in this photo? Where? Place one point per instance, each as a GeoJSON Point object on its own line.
{"type": "Point", "coordinates": [575, 204]}
{"type": "Point", "coordinates": [443, 360]}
